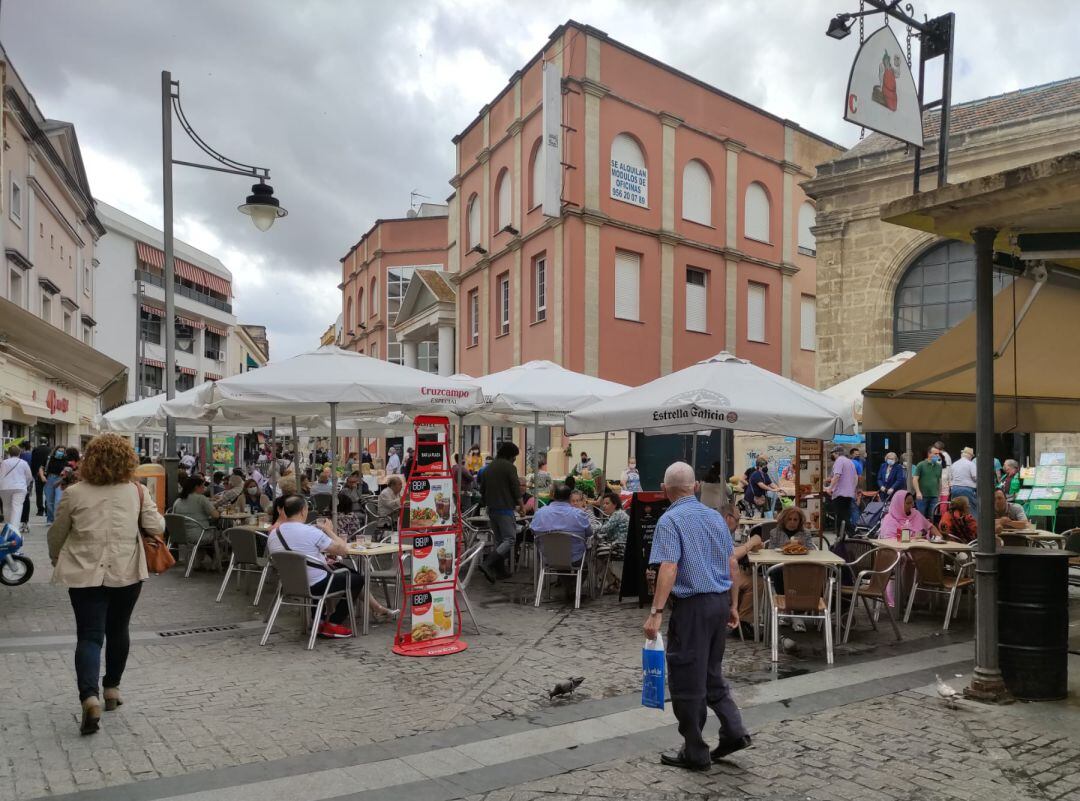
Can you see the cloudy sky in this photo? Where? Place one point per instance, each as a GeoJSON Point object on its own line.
{"type": "Point", "coordinates": [352, 103]}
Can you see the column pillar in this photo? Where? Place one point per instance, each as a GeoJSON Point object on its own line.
{"type": "Point", "coordinates": [592, 296]}
{"type": "Point", "coordinates": [410, 353]}
{"type": "Point", "coordinates": [446, 349]}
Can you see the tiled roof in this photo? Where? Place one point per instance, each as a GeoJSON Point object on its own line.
{"type": "Point", "coordinates": [437, 284]}
{"type": "Point", "coordinates": [986, 112]}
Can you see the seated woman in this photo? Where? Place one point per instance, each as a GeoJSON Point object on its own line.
{"type": "Point", "coordinates": [903, 515]}
{"type": "Point", "coordinates": [791, 526]}
{"type": "Point", "coordinates": [194, 504]}
{"type": "Point", "coordinates": [528, 500]}
{"type": "Point", "coordinates": [232, 495]}
{"type": "Point", "coordinates": [349, 522]}
{"type": "Point", "coordinates": [254, 500]}
{"type": "Point", "coordinates": [613, 531]}
{"type": "Point", "coordinates": [542, 482]}
{"type": "Point", "coordinates": [320, 544]}
{"type": "Point", "coordinates": [957, 522]}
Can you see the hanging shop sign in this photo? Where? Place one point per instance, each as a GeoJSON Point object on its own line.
{"type": "Point", "coordinates": [431, 534]}
{"type": "Point", "coordinates": [881, 93]}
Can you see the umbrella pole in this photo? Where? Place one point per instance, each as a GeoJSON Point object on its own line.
{"type": "Point", "coordinates": [536, 442]}
{"type": "Point", "coordinates": [461, 437]}
{"type": "Point", "coordinates": [909, 457]}
{"type": "Point", "coordinates": [603, 462]}
{"type": "Point", "coordinates": [333, 463]}
{"type": "Point", "coordinates": [693, 454]}
{"type": "Point", "coordinates": [295, 451]}
{"type": "Point", "coordinates": [273, 437]}
{"type": "Point", "coordinates": [208, 457]}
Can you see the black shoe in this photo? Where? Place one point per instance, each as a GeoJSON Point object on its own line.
{"type": "Point", "coordinates": [679, 760]}
{"type": "Point", "coordinates": [487, 573]}
{"type": "Point", "coordinates": [730, 745]}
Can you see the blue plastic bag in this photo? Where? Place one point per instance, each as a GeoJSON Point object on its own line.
{"type": "Point", "coordinates": [653, 673]}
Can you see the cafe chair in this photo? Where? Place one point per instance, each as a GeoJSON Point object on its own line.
{"type": "Point", "coordinates": [764, 530]}
{"type": "Point", "coordinates": [874, 571]}
{"type": "Point", "coordinates": [321, 503]}
{"type": "Point", "coordinates": [244, 559]}
{"type": "Point", "coordinates": [294, 590]}
{"type": "Point", "coordinates": [554, 551]}
{"type": "Point", "coordinates": [1072, 543]}
{"type": "Point", "coordinates": [466, 567]}
{"type": "Point", "coordinates": [931, 577]}
{"type": "Point", "coordinates": [180, 530]}
{"type": "Point", "coordinates": [808, 594]}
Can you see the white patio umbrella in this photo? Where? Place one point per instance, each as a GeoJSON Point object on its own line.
{"type": "Point", "coordinates": [347, 383]}
{"type": "Point", "coordinates": [850, 390]}
{"type": "Point", "coordinates": [721, 392]}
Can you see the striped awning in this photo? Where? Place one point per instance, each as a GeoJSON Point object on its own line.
{"type": "Point", "coordinates": [152, 256]}
{"type": "Point", "coordinates": [190, 322]}
{"type": "Point", "coordinates": [185, 370]}
{"type": "Point", "coordinates": [213, 377]}
{"type": "Point", "coordinates": [152, 363]}
{"type": "Point", "coordinates": [156, 312]}
{"type": "Point", "coordinates": [217, 329]}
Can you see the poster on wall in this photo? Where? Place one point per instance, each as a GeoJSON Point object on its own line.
{"type": "Point", "coordinates": [630, 183]}
{"type": "Point", "coordinates": [224, 453]}
{"type": "Point", "coordinates": [431, 534]}
{"type": "Point", "coordinates": [809, 469]}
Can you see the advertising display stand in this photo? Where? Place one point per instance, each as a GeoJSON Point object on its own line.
{"type": "Point", "coordinates": [431, 524]}
{"type": "Point", "coordinates": [809, 472]}
{"type": "Point", "coordinates": [645, 511]}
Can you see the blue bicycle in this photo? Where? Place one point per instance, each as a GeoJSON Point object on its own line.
{"type": "Point", "coordinates": [15, 569]}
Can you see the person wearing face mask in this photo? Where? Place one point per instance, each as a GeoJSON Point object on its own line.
{"type": "Point", "coordinates": [890, 477]}
{"type": "Point", "coordinates": [51, 476]}
{"type": "Point", "coordinates": [631, 478]}
{"type": "Point", "coordinates": [926, 478]}
{"type": "Point", "coordinates": [842, 487]}
{"type": "Point", "coordinates": [254, 500]}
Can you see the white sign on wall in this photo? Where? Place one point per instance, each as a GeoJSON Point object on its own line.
{"type": "Point", "coordinates": [551, 150]}
{"type": "Point", "coordinates": [630, 184]}
{"type": "Point", "coordinates": [881, 93]}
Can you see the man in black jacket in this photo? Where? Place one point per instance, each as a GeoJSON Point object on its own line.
{"type": "Point", "coordinates": [501, 490]}
{"type": "Point", "coordinates": [38, 458]}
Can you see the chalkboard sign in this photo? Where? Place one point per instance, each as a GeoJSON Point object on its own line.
{"type": "Point", "coordinates": [645, 511]}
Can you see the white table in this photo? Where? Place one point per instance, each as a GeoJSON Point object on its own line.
{"type": "Point", "coordinates": [767, 557]}
{"type": "Point", "coordinates": [366, 553]}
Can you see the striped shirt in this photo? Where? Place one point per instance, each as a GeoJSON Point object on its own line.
{"type": "Point", "coordinates": [696, 539]}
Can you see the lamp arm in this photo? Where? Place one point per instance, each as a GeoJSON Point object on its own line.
{"type": "Point", "coordinates": [262, 173]}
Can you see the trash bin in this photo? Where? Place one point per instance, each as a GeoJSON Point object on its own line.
{"type": "Point", "coordinates": [1033, 622]}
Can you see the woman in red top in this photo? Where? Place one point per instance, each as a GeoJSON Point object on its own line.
{"type": "Point", "coordinates": [958, 522]}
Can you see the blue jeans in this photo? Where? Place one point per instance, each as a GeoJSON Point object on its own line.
{"type": "Point", "coordinates": [969, 493]}
{"type": "Point", "coordinates": [52, 497]}
{"type": "Point", "coordinates": [926, 507]}
{"type": "Point", "coordinates": [102, 616]}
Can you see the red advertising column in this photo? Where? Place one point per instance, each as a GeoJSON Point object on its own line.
{"type": "Point", "coordinates": [431, 530]}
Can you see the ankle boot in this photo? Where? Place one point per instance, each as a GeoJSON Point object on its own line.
{"type": "Point", "coordinates": [91, 715]}
{"type": "Point", "coordinates": [112, 698]}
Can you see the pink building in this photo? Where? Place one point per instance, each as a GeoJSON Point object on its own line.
{"type": "Point", "coordinates": [683, 230]}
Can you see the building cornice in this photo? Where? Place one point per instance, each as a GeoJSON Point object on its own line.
{"type": "Point", "coordinates": [18, 259]}
{"type": "Point", "coordinates": [670, 120]}
{"type": "Point", "coordinates": [787, 268]}
{"type": "Point", "coordinates": [591, 87]}
{"type": "Point", "coordinates": [514, 128]}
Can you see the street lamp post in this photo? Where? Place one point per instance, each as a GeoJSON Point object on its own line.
{"type": "Point", "coordinates": [261, 206]}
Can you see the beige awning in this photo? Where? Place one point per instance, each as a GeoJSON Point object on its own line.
{"type": "Point", "coordinates": [29, 407]}
{"type": "Point", "coordinates": [1036, 383]}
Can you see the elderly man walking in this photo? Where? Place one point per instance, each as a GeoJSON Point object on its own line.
{"type": "Point", "coordinates": [693, 547]}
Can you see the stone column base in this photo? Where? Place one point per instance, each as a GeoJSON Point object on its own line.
{"type": "Point", "coordinates": [989, 689]}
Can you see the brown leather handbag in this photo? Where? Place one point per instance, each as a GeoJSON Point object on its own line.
{"type": "Point", "coordinates": [158, 557]}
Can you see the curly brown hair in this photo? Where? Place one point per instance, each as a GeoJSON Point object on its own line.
{"type": "Point", "coordinates": [108, 459]}
{"type": "Point", "coordinates": [792, 511]}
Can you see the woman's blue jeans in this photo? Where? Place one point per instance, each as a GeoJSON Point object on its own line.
{"type": "Point", "coordinates": [102, 617]}
{"type": "Point", "coordinates": [52, 497]}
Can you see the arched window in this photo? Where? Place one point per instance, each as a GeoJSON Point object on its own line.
{"type": "Point", "coordinates": [629, 175]}
{"type": "Point", "coordinates": [348, 315]}
{"type": "Point", "coordinates": [696, 193]}
{"type": "Point", "coordinates": [472, 222]}
{"type": "Point", "coordinates": [536, 197]}
{"type": "Point", "coordinates": [360, 306]}
{"type": "Point", "coordinates": [807, 217]}
{"type": "Point", "coordinates": [503, 192]}
{"type": "Point", "coordinates": [373, 296]}
{"type": "Point", "coordinates": [935, 293]}
{"type": "Point", "coordinates": [756, 213]}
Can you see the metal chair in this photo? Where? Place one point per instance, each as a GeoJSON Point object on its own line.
{"type": "Point", "coordinates": [554, 555]}
{"type": "Point", "coordinates": [870, 584]}
{"type": "Point", "coordinates": [320, 503]}
{"type": "Point", "coordinates": [1072, 543]}
{"type": "Point", "coordinates": [294, 590]}
{"type": "Point", "coordinates": [930, 576]}
{"type": "Point", "coordinates": [244, 559]}
{"type": "Point", "coordinates": [764, 530]}
{"type": "Point", "coordinates": [466, 568]}
{"type": "Point", "coordinates": [178, 529]}
{"type": "Point", "coordinates": [808, 593]}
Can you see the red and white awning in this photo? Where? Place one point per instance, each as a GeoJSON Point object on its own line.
{"type": "Point", "coordinates": [217, 329]}
{"type": "Point", "coordinates": [186, 370]}
{"type": "Point", "coordinates": [213, 377]}
{"type": "Point", "coordinates": [153, 363]}
{"type": "Point", "coordinates": [154, 257]}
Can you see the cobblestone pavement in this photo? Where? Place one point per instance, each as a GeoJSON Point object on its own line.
{"type": "Point", "coordinates": [207, 702]}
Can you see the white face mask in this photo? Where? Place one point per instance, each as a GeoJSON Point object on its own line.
{"type": "Point", "coordinates": [253, 491]}
{"type": "Point", "coordinates": [890, 461]}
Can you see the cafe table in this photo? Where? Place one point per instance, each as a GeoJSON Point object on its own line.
{"type": "Point", "coordinates": [948, 546]}
{"type": "Point", "coordinates": [364, 553]}
{"type": "Point", "coordinates": [761, 560]}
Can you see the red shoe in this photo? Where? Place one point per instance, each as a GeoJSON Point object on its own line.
{"type": "Point", "coordinates": [334, 631]}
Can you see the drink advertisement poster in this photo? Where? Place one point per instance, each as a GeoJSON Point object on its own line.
{"type": "Point", "coordinates": [433, 557]}
{"type": "Point", "coordinates": [431, 458]}
{"type": "Point", "coordinates": [809, 470]}
{"type": "Point", "coordinates": [433, 615]}
{"type": "Point", "coordinates": [431, 502]}
{"type": "Point", "coordinates": [224, 453]}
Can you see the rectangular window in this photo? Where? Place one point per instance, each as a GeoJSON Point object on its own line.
{"type": "Point", "coordinates": [150, 327]}
{"type": "Point", "coordinates": [87, 334]}
{"type": "Point", "coordinates": [504, 303]}
{"type": "Point", "coordinates": [697, 300]}
{"type": "Point", "coordinates": [184, 382]}
{"type": "Point", "coordinates": [501, 434]}
{"type": "Point", "coordinates": [755, 312]}
{"type": "Point", "coordinates": [184, 338]}
{"type": "Point", "coordinates": [87, 277]}
{"type": "Point", "coordinates": [474, 318]}
{"type": "Point", "coordinates": [15, 208]}
{"type": "Point", "coordinates": [394, 352]}
{"type": "Point", "coordinates": [212, 346]}
{"type": "Point", "coordinates": [397, 284]}
{"type": "Point", "coordinates": [540, 288]}
{"type": "Point", "coordinates": [67, 323]}
{"type": "Point", "coordinates": [808, 323]}
{"type": "Point", "coordinates": [153, 380]}
{"type": "Point", "coordinates": [627, 285]}
{"type": "Point", "coordinates": [46, 307]}
{"type": "Point", "coordinates": [427, 357]}
{"type": "Point", "coordinates": [373, 351]}
{"type": "Point", "coordinates": [15, 289]}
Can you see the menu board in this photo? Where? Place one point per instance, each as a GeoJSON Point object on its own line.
{"type": "Point", "coordinates": [1045, 493]}
{"type": "Point", "coordinates": [1070, 496]}
{"type": "Point", "coordinates": [1052, 457]}
{"type": "Point", "coordinates": [1023, 494]}
{"type": "Point", "coordinates": [429, 545]}
{"type": "Point", "coordinates": [1027, 474]}
{"type": "Point", "coordinates": [1072, 478]}
{"type": "Point", "coordinates": [1051, 475]}
{"type": "Point", "coordinates": [809, 458]}
{"type": "Point", "coordinates": [645, 511]}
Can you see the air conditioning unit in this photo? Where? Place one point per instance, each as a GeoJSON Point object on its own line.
{"type": "Point", "coordinates": [149, 391]}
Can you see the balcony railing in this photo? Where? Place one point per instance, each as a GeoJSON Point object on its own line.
{"type": "Point", "coordinates": [187, 292]}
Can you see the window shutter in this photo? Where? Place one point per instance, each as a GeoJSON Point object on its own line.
{"type": "Point", "coordinates": [627, 285]}
{"type": "Point", "coordinates": [537, 177]}
{"type": "Point", "coordinates": [808, 323]}
{"type": "Point", "coordinates": [474, 222]}
{"type": "Point", "coordinates": [756, 213]}
{"type": "Point", "coordinates": [755, 312]}
{"type": "Point", "coordinates": [807, 217]}
{"type": "Point", "coordinates": [696, 194]}
{"type": "Point", "coordinates": [504, 200]}
{"type": "Point", "coordinates": [696, 301]}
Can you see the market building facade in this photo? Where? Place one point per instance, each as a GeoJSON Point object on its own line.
{"type": "Point", "coordinates": [52, 381]}
{"type": "Point", "coordinates": [884, 289]}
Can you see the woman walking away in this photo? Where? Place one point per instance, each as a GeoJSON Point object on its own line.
{"type": "Point", "coordinates": [97, 552]}
{"type": "Point", "coordinates": [15, 482]}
